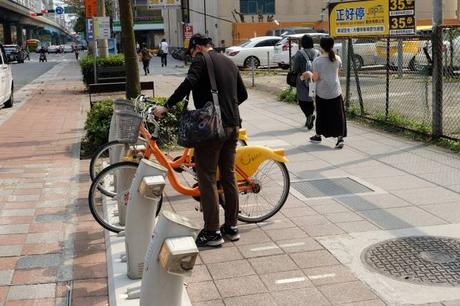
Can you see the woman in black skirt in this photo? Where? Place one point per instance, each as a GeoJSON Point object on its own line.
{"type": "Point", "coordinates": [330, 111]}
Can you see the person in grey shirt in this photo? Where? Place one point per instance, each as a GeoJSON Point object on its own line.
{"type": "Point", "coordinates": [330, 111]}
{"type": "Point", "coordinates": [303, 61]}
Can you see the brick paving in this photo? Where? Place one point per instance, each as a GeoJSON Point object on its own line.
{"type": "Point", "coordinates": [49, 242]}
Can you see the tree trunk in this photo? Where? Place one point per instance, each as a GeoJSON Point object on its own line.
{"type": "Point", "coordinates": [102, 43]}
{"type": "Point", "coordinates": [133, 87]}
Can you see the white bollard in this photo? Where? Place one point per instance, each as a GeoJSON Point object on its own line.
{"type": "Point", "coordinates": [171, 256]}
{"type": "Point", "coordinates": [144, 194]}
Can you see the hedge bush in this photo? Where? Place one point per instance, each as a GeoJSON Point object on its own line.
{"type": "Point", "coordinates": [97, 125]}
{"type": "Point", "coordinates": [288, 95]}
{"type": "Point", "coordinates": [87, 65]}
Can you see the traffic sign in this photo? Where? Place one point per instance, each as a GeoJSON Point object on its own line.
{"type": "Point", "coordinates": [59, 10]}
{"type": "Point", "coordinates": [89, 29]}
{"type": "Point", "coordinates": [101, 27]}
{"type": "Point", "coordinates": [90, 8]}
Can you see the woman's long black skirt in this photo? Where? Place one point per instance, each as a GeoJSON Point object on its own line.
{"type": "Point", "coordinates": [330, 117]}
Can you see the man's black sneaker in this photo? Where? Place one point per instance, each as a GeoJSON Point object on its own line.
{"type": "Point", "coordinates": [310, 121]}
{"type": "Point", "coordinates": [230, 232]}
{"type": "Point", "coordinates": [209, 238]}
{"type": "Point", "coordinates": [316, 138]}
{"type": "Point", "coordinates": [340, 143]}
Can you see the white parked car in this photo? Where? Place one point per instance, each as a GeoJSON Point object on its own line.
{"type": "Point", "coordinates": [6, 80]}
{"type": "Point", "coordinates": [281, 49]}
{"type": "Point", "coordinates": [258, 50]}
{"type": "Point", "coordinates": [55, 49]}
{"type": "Point", "coordinates": [68, 48]}
{"type": "Point", "coordinates": [365, 52]}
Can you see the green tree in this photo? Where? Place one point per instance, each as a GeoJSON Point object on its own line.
{"type": "Point", "coordinates": [80, 24]}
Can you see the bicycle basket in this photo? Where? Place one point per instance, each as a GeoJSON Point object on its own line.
{"type": "Point", "coordinates": [120, 104]}
{"type": "Point", "coordinates": [128, 124]}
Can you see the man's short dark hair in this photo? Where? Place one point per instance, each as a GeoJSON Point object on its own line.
{"type": "Point", "coordinates": [198, 40]}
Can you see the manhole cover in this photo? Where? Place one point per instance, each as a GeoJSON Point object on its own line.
{"type": "Point", "coordinates": [329, 187]}
{"type": "Point", "coordinates": [423, 259]}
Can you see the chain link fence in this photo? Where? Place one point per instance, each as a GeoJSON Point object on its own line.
{"type": "Point", "coordinates": [451, 82]}
{"type": "Point", "coordinates": [390, 80]}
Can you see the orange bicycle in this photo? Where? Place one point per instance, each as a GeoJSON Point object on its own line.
{"type": "Point", "coordinates": [134, 149]}
{"type": "Point", "coordinates": [261, 173]}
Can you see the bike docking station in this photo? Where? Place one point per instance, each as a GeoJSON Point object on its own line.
{"type": "Point", "coordinates": [170, 257]}
{"type": "Point", "coordinates": [145, 193]}
{"type": "Point", "coordinates": [160, 252]}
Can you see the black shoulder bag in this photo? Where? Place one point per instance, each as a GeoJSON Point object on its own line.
{"type": "Point", "coordinates": [204, 124]}
{"type": "Point", "coordinates": [291, 77]}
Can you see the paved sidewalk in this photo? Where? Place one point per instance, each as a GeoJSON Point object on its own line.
{"type": "Point", "coordinates": [309, 253]}
{"type": "Point", "coordinates": [48, 244]}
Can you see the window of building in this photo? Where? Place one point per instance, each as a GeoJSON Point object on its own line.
{"type": "Point", "coordinates": [253, 7]}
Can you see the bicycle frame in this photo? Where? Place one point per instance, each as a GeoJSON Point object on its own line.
{"type": "Point", "coordinates": [244, 185]}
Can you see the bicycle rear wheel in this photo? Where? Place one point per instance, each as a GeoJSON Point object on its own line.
{"type": "Point", "coordinates": [108, 207]}
{"type": "Point", "coordinates": [269, 193]}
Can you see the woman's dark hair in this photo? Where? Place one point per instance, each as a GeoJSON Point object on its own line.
{"type": "Point", "coordinates": [306, 42]}
{"type": "Point", "coordinates": [164, 39]}
{"type": "Point", "coordinates": [327, 43]}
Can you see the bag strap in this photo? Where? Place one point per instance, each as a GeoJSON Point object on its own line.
{"type": "Point", "coordinates": [212, 79]}
{"type": "Point", "coordinates": [214, 92]}
{"type": "Point", "coordinates": [305, 55]}
{"type": "Point", "coordinates": [210, 67]}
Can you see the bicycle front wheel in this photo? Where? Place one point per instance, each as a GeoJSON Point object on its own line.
{"type": "Point", "coordinates": [108, 154]}
{"type": "Point", "coordinates": [269, 192]}
{"type": "Point", "coordinates": [109, 207]}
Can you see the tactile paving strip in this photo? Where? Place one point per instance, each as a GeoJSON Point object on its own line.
{"type": "Point", "coordinates": [421, 259]}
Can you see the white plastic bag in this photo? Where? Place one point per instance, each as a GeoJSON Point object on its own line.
{"type": "Point", "coordinates": [312, 89]}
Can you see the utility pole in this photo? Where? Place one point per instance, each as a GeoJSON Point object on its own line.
{"type": "Point", "coordinates": [204, 11]}
{"type": "Point", "coordinates": [102, 45]}
{"type": "Point", "coordinates": [133, 87]}
{"type": "Point", "coordinates": [437, 94]}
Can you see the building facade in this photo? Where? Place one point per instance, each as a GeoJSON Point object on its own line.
{"type": "Point", "coordinates": [221, 15]}
{"type": "Point", "coordinates": [149, 24]}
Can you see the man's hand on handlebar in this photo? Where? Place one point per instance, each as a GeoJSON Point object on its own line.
{"type": "Point", "coordinates": [160, 111]}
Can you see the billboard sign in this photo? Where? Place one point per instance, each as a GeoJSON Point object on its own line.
{"type": "Point", "coordinates": [372, 18]}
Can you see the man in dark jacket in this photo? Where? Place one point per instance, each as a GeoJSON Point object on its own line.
{"type": "Point", "coordinates": [215, 153]}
